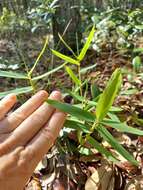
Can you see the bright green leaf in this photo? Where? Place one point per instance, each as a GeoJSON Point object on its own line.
{"type": "Point", "coordinates": [39, 56]}
{"type": "Point", "coordinates": [73, 76]}
{"type": "Point", "coordinates": [123, 127]}
{"type": "Point", "coordinates": [95, 91]}
{"type": "Point", "coordinates": [48, 73]}
{"type": "Point", "coordinates": [72, 110]}
{"type": "Point", "coordinates": [114, 143]}
{"type": "Point", "coordinates": [107, 97]}
{"type": "Point", "coordinates": [138, 50]}
{"type": "Point", "coordinates": [85, 151]}
{"type": "Point", "coordinates": [11, 74]}
{"type": "Point", "coordinates": [66, 45]}
{"type": "Point", "coordinates": [76, 125]}
{"type": "Point", "coordinates": [17, 91]}
{"type": "Point", "coordinates": [102, 150]}
{"type": "Point", "coordinates": [92, 103]}
{"type": "Point", "coordinates": [85, 69]}
{"type": "Point", "coordinates": [87, 45]}
{"type": "Point", "coordinates": [65, 58]}
{"type": "Point", "coordinates": [137, 63]}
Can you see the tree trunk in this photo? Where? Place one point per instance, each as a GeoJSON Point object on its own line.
{"type": "Point", "coordinates": [99, 4]}
{"type": "Point", "coordinates": [66, 22]}
{"type": "Point", "coordinates": [25, 4]}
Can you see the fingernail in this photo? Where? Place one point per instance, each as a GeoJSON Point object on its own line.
{"type": "Point", "coordinates": [42, 93]}
{"type": "Point", "coordinates": [56, 94]}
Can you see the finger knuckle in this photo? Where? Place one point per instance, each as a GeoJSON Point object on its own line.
{"type": "Point", "coordinates": [12, 161]}
{"type": "Point", "coordinates": [19, 116]}
{"type": "Point", "coordinates": [37, 118]}
{"type": "Point", "coordinates": [48, 135]}
{"type": "Point", "coordinates": [25, 161]}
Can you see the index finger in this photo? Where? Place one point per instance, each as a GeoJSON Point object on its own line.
{"type": "Point", "coordinates": [19, 115]}
{"type": "Point", "coordinates": [6, 104]}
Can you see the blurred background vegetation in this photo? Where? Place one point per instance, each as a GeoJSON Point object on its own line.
{"type": "Point", "coordinates": [119, 24]}
{"type": "Point", "coordinates": [24, 24]}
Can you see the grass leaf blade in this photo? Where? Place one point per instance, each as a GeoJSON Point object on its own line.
{"type": "Point", "coordinates": [102, 150]}
{"type": "Point", "coordinates": [87, 44]}
{"type": "Point", "coordinates": [114, 143]}
{"type": "Point", "coordinates": [65, 58]}
{"type": "Point", "coordinates": [123, 127]}
{"type": "Point", "coordinates": [107, 97]}
{"type": "Point", "coordinates": [11, 74]}
{"type": "Point", "coordinates": [72, 110]}
{"type": "Point", "coordinates": [73, 76]}
{"type": "Point", "coordinates": [17, 91]}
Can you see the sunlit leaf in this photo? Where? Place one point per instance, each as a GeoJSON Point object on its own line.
{"type": "Point", "coordinates": [17, 91]}
{"type": "Point", "coordinates": [95, 91]}
{"type": "Point", "coordinates": [129, 92]}
{"type": "Point", "coordinates": [87, 45]}
{"type": "Point", "coordinates": [85, 69]}
{"type": "Point", "coordinates": [76, 125]}
{"type": "Point", "coordinates": [92, 103]}
{"type": "Point", "coordinates": [72, 110]}
{"type": "Point", "coordinates": [114, 143]}
{"type": "Point", "coordinates": [39, 56]}
{"type": "Point", "coordinates": [85, 151]}
{"type": "Point", "coordinates": [107, 97]}
{"type": "Point", "coordinates": [11, 74]}
{"type": "Point", "coordinates": [73, 76]}
{"type": "Point", "coordinates": [65, 58]}
{"type": "Point", "coordinates": [123, 127]}
{"type": "Point", "coordinates": [49, 72]}
{"type": "Point", "coordinates": [138, 50]}
{"type": "Point", "coordinates": [102, 150]}
{"type": "Point", "coordinates": [66, 45]}
{"type": "Point", "coordinates": [137, 63]}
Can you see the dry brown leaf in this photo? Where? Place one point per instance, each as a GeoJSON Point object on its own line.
{"type": "Point", "coordinates": [101, 179]}
{"type": "Point", "coordinates": [135, 184]}
{"type": "Point", "coordinates": [34, 184]}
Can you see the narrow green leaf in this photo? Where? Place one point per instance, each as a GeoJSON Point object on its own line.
{"type": "Point", "coordinates": [138, 50]}
{"type": "Point", "coordinates": [73, 76]}
{"type": "Point", "coordinates": [17, 91]}
{"type": "Point", "coordinates": [107, 97]}
{"type": "Point", "coordinates": [113, 117]}
{"type": "Point", "coordinates": [114, 143]}
{"type": "Point", "coordinates": [137, 120]}
{"type": "Point", "coordinates": [72, 124]}
{"type": "Point", "coordinates": [92, 103]}
{"type": "Point", "coordinates": [123, 127]}
{"type": "Point", "coordinates": [140, 27]}
{"type": "Point", "coordinates": [87, 44]}
{"type": "Point", "coordinates": [137, 63]}
{"type": "Point", "coordinates": [72, 110]}
{"type": "Point", "coordinates": [95, 91]}
{"type": "Point", "coordinates": [11, 74]}
{"type": "Point", "coordinates": [66, 45]}
{"type": "Point", "coordinates": [65, 58]}
{"type": "Point", "coordinates": [39, 56]}
{"type": "Point", "coordinates": [85, 69]}
{"type": "Point", "coordinates": [49, 72]}
{"type": "Point", "coordinates": [102, 150]}
{"type": "Point", "coordinates": [129, 92]}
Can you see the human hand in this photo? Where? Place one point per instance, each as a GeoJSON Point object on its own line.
{"type": "Point", "coordinates": [25, 136]}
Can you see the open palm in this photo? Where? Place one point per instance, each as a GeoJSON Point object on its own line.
{"type": "Point", "coordinates": [25, 136]}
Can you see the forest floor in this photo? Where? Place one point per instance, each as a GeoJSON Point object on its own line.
{"type": "Point", "coordinates": [72, 171]}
